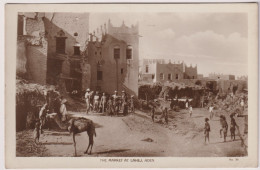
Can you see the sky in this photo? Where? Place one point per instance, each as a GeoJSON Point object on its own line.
{"type": "Point", "coordinates": [216, 42]}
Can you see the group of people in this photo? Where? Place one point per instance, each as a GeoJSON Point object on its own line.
{"type": "Point", "coordinates": [223, 129]}
{"type": "Point", "coordinates": [109, 104]}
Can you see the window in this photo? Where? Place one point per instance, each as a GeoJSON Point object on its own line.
{"type": "Point", "coordinates": [193, 77]}
{"type": "Point", "coordinates": [152, 76]}
{"type": "Point", "coordinates": [95, 53]}
{"type": "Point", "coordinates": [122, 70]}
{"type": "Point", "coordinates": [147, 69]}
{"type": "Point", "coordinates": [116, 52]}
{"type": "Point", "coordinates": [99, 75]}
{"type": "Point", "coordinates": [161, 76]}
{"type": "Point", "coordinates": [129, 52]}
{"type": "Point", "coordinates": [60, 44]}
{"type": "Point", "coordinates": [76, 34]}
{"type": "Point", "coordinates": [169, 76]}
{"type": "Point", "coordinates": [76, 50]}
{"type": "Point", "coordinates": [177, 76]}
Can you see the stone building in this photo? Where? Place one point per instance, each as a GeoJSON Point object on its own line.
{"type": "Point", "coordinates": [50, 48]}
{"type": "Point", "coordinates": [221, 76]}
{"type": "Point", "coordinates": [113, 54]}
{"type": "Point", "coordinates": [157, 70]}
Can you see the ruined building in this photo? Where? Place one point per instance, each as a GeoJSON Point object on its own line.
{"type": "Point", "coordinates": [57, 49]}
{"type": "Point", "coordinates": [113, 53]}
{"type": "Point", "coordinates": [157, 70]}
{"type": "Point", "coordinates": [50, 48]}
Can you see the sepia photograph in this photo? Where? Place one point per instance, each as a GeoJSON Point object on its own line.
{"type": "Point", "coordinates": [134, 85]}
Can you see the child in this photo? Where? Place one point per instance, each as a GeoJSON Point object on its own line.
{"type": "Point", "coordinates": [190, 111]}
{"type": "Point", "coordinates": [233, 125]}
{"type": "Point", "coordinates": [37, 131]}
{"type": "Point", "coordinates": [206, 130]}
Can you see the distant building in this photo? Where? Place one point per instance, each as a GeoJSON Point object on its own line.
{"type": "Point", "coordinates": [113, 54]}
{"type": "Point", "coordinates": [221, 76]}
{"type": "Point", "coordinates": [242, 78]}
{"type": "Point", "coordinates": [200, 76]}
{"type": "Point", "coordinates": [157, 70]}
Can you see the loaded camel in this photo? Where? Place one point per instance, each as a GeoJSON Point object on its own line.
{"type": "Point", "coordinates": [75, 126]}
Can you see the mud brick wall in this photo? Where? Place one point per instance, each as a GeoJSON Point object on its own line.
{"type": "Point", "coordinates": [21, 57]}
{"type": "Point", "coordinates": [37, 64]}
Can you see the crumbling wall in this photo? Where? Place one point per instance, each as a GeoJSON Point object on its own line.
{"type": "Point", "coordinates": [37, 64]}
{"type": "Point", "coordinates": [30, 98]}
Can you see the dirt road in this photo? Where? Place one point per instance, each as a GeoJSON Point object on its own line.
{"type": "Point", "coordinates": [138, 136]}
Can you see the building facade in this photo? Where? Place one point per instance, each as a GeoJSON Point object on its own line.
{"type": "Point", "coordinates": [50, 48]}
{"type": "Point", "coordinates": [157, 70]}
{"type": "Point", "coordinates": [113, 54]}
{"type": "Point", "coordinates": [221, 76]}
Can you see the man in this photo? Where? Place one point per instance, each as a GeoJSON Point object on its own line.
{"type": "Point", "coordinates": [96, 101]}
{"type": "Point", "coordinates": [110, 107]}
{"type": "Point", "coordinates": [206, 130]}
{"type": "Point", "coordinates": [87, 97]}
{"type": "Point", "coordinates": [116, 102]}
{"type": "Point", "coordinates": [103, 101]}
{"type": "Point", "coordinates": [124, 103]}
{"type": "Point", "coordinates": [233, 126]}
{"type": "Point", "coordinates": [63, 110]}
{"type": "Point", "coordinates": [211, 111]}
{"type": "Point", "coordinates": [242, 104]}
{"type": "Point", "coordinates": [187, 104]}
{"type": "Point", "coordinates": [132, 108]}
{"type": "Point", "coordinates": [224, 127]}
{"type": "Point", "coordinates": [42, 116]}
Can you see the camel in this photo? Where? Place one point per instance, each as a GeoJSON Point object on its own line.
{"type": "Point", "coordinates": [78, 125]}
{"type": "Point", "coordinates": [75, 126]}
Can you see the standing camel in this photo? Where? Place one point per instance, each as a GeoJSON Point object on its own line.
{"type": "Point", "coordinates": [75, 126]}
{"type": "Point", "coordinates": [78, 125]}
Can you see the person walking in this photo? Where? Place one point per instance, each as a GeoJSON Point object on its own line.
{"type": "Point", "coordinates": [206, 130]}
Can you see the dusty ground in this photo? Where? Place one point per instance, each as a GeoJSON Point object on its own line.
{"type": "Point", "coordinates": [135, 135]}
